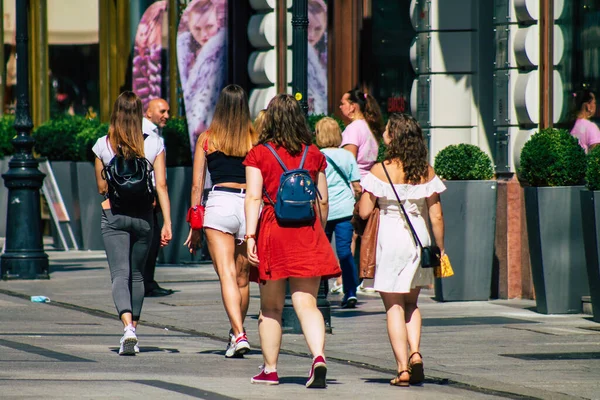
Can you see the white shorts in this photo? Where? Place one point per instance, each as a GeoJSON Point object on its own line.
{"type": "Point", "coordinates": [224, 212]}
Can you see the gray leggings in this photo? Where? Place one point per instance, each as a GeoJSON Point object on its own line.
{"type": "Point", "coordinates": [127, 240]}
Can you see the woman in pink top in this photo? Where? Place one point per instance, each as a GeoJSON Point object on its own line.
{"type": "Point", "coordinates": [363, 135]}
{"type": "Point", "coordinates": [583, 129]}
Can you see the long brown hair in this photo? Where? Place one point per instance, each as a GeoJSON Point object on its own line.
{"type": "Point", "coordinates": [125, 130]}
{"type": "Point", "coordinates": [370, 110]}
{"type": "Point", "coordinates": [285, 125]}
{"type": "Point", "coordinates": [407, 145]}
{"type": "Point", "coordinates": [231, 130]}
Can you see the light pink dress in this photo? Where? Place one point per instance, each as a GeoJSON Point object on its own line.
{"type": "Point", "coordinates": [586, 132]}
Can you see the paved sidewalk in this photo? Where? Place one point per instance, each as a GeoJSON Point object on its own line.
{"type": "Point", "coordinates": [497, 348]}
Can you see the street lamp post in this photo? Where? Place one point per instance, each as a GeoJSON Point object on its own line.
{"type": "Point", "coordinates": [24, 256]}
{"type": "Point", "coordinates": [290, 322]}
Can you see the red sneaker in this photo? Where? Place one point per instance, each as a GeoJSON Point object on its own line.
{"type": "Point", "coordinates": [318, 373]}
{"type": "Point", "coordinates": [266, 378]}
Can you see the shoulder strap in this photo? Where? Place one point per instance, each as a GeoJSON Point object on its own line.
{"type": "Point", "coordinates": [412, 229]}
{"type": "Point", "coordinates": [338, 170]}
{"type": "Point", "coordinates": [285, 169]}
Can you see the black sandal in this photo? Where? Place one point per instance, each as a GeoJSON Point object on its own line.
{"type": "Point", "coordinates": [417, 374]}
{"type": "Point", "coordinates": [398, 381]}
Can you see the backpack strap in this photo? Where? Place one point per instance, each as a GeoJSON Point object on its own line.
{"type": "Point", "coordinates": [338, 170]}
{"type": "Point", "coordinates": [272, 150]}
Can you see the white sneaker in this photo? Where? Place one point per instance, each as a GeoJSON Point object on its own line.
{"type": "Point", "coordinates": [136, 348]}
{"type": "Point", "coordinates": [237, 346]}
{"type": "Point", "coordinates": [336, 289]}
{"type": "Point", "coordinates": [128, 342]}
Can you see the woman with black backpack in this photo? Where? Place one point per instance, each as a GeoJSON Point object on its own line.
{"type": "Point", "coordinates": [286, 240]}
{"type": "Point", "coordinates": [125, 160]}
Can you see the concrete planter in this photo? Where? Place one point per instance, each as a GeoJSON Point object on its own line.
{"type": "Point", "coordinates": [590, 211]}
{"type": "Point", "coordinates": [87, 210]}
{"type": "Point", "coordinates": [558, 265]}
{"type": "Point", "coordinates": [179, 180]}
{"type": "Point", "coordinates": [65, 174]}
{"type": "Point", "coordinates": [77, 184]}
{"type": "Point", "coordinates": [3, 195]}
{"type": "Point", "coordinates": [470, 226]}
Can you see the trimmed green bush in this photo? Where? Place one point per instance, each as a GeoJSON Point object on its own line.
{"type": "Point", "coordinates": [461, 162]}
{"type": "Point", "coordinates": [7, 133]}
{"type": "Point", "coordinates": [552, 157]}
{"type": "Point", "coordinates": [88, 137]}
{"type": "Point", "coordinates": [177, 143]}
{"type": "Point", "coordinates": [592, 172]}
{"type": "Point", "coordinates": [56, 139]}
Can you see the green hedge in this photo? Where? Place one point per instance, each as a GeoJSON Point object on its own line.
{"type": "Point", "coordinates": [87, 138]}
{"type": "Point", "coordinates": [7, 133]}
{"type": "Point", "coordinates": [314, 118]}
{"type": "Point", "coordinates": [177, 143]}
{"type": "Point", "coordinates": [57, 139]}
{"type": "Point", "coordinates": [552, 157]}
{"type": "Point", "coordinates": [592, 172]}
{"type": "Point", "coordinates": [461, 162]}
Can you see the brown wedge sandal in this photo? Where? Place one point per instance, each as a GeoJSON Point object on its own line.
{"type": "Point", "coordinates": [399, 381]}
{"type": "Point", "coordinates": [417, 374]}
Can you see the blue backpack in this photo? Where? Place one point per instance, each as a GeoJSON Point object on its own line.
{"type": "Point", "coordinates": [297, 194]}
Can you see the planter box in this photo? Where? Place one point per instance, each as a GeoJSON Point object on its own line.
{"type": "Point", "coordinates": [554, 227]}
{"type": "Point", "coordinates": [87, 209]}
{"type": "Point", "coordinates": [3, 195]}
{"type": "Point", "coordinates": [590, 211]}
{"type": "Point", "coordinates": [65, 174]}
{"type": "Point", "coordinates": [179, 180]}
{"type": "Point", "coordinates": [470, 227]}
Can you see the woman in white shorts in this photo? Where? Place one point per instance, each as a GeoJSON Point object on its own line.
{"type": "Point", "coordinates": [222, 148]}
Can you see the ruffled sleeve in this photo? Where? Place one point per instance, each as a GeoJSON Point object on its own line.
{"type": "Point", "coordinates": [379, 188]}
{"type": "Point", "coordinates": [374, 185]}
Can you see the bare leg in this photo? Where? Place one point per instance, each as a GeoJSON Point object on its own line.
{"type": "Point", "coordinates": [396, 325]}
{"type": "Point", "coordinates": [243, 272]}
{"type": "Point", "coordinates": [304, 298]}
{"type": "Point", "coordinates": [272, 297]}
{"type": "Point", "coordinates": [127, 319]}
{"type": "Point", "coordinates": [222, 248]}
{"type": "Point", "coordinates": [413, 322]}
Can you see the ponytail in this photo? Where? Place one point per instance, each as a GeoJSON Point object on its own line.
{"type": "Point", "coordinates": [580, 97]}
{"type": "Point", "coordinates": [370, 109]}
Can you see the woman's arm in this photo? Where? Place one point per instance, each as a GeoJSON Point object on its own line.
{"type": "Point", "coordinates": [198, 179]}
{"type": "Point", "coordinates": [366, 204]}
{"type": "Point", "coordinates": [436, 218]}
{"type": "Point", "coordinates": [254, 188]}
{"type": "Point", "coordinates": [198, 172]}
{"type": "Point", "coordinates": [100, 182]}
{"type": "Point", "coordinates": [352, 148]}
{"type": "Point", "coordinates": [323, 200]}
{"type": "Point", "coordinates": [356, 188]}
{"type": "Point", "coordinates": [160, 176]}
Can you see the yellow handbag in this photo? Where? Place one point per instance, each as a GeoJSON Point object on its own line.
{"type": "Point", "coordinates": [444, 270]}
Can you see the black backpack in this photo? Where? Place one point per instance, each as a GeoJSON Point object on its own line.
{"type": "Point", "coordinates": [129, 183]}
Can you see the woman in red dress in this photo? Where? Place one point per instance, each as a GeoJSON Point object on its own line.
{"type": "Point", "coordinates": [301, 254]}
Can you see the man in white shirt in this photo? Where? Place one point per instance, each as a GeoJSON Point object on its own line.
{"type": "Point", "coordinates": [155, 119]}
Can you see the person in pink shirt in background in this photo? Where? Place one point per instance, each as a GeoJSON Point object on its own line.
{"type": "Point", "coordinates": [583, 129]}
{"type": "Point", "coordinates": [363, 135]}
{"type": "Point", "coordinates": [361, 138]}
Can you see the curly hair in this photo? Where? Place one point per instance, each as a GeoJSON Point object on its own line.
{"type": "Point", "coordinates": [407, 145]}
{"type": "Point", "coordinates": [285, 125]}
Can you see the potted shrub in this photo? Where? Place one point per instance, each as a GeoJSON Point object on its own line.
{"type": "Point", "coordinates": [553, 168]}
{"type": "Point", "coordinates": [469, 205]}
{"type": "Point", "coordinates": [590, 211]}
{"type": "Point", "coordinates": [7, 133]}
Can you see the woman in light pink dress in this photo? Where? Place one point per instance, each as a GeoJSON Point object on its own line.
{"type": "Point", "coordinates": [584, 107]}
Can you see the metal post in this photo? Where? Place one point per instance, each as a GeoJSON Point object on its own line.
{"type": "Point", "coordinates": [282, 45]}
{"type": "Point", "coordinates": [300, 52]}
{"type": "Point", "coordinates": [24, 256]}
{"type": "Point", "coordinates": [289, 319]}
{"type": "Point", "coordinates": [546, 63]}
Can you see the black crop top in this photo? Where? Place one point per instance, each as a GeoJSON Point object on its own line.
{"type": "Point", "coordinates": [225, 168]}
